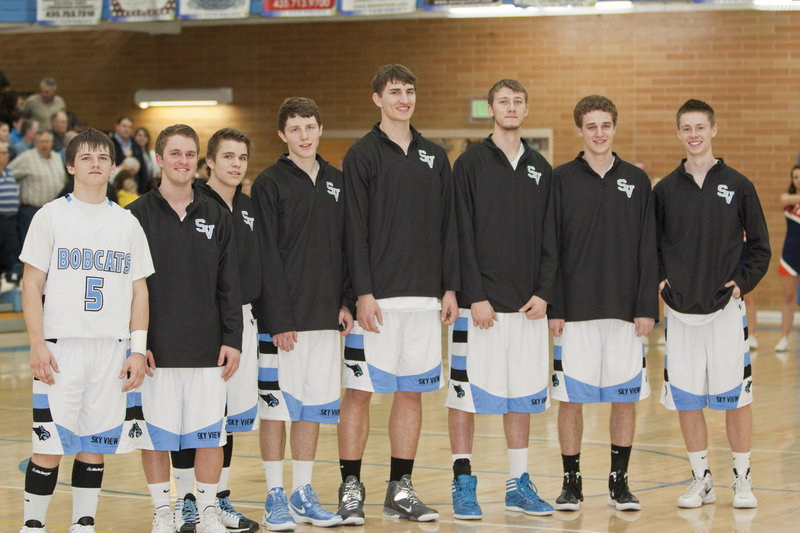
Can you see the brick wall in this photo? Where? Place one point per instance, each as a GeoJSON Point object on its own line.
{"type": "Point", "coordinates": [745, 63]}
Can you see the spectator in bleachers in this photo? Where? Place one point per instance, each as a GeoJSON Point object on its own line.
{"type": "Point", "coordinates": [9, 205]}
{"type": "Point", "coordinates": [58, 125]}
{"type": "Point", "coordinates": [5, 139]}
{"type": "Point", "coordinates": [10, 102]}
{"type": "Point", "coordinates": [27, 131]}
{"type": "Point", "coordinates": [42, 106]}
{"type": "Point", "coordinates": [142, 138]}
{"type": "Point", "coordinates": [40, 174]}
{"type": "Point", "coordinates": [127, 147]}
{"type": "Point", "coordinates": [16, 123]}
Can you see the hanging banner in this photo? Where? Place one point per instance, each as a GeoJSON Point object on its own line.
{"type": "Point", "coordinates": [299, 8]}
{"type": "Point", "coordinates": [440, 4]}
{"type": "Point", "coordinates": [213, 9]}
{"type": "Point", "coordinates": [68, 12]}
{"type": "Point", "coordinates": [377, 7]}
{"type": "Point", "coordinates": [140, 10]}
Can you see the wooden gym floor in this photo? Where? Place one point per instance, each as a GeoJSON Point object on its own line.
{"type": "Point", "coordinates": [659, 470]}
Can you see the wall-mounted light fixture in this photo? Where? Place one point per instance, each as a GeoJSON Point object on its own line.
{"type": "Point", "coordinates": [145, 98]}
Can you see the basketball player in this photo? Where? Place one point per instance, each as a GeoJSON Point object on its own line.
{"type": "Point", "coordinates": [89, 337]}
{"type": "Point", "coordinates": [227, 156]}
{"type": "Point", "coordinates": [702, 208]}
{"type": "Point", "coordinates": [299, 207]}
{"type": "Point", "coordinates": [499, 345]}
{"type": "Point", "coordinates": [607, 301]}
{"type": "Point", "coordinates": [195, 328]}
{"type": "Point", "coordinates": [402, 254]}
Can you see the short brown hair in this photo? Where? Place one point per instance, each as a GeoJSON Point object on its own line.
{"type": "Point", "coordinates": [392, 72]}
{"type": "Point", "coordinates": [594, 102]}
{"type": "Point", "coordinates": [514, 85]}
{"type": "Point", "coordinates": [298, 106]}
{"type": "Point", "coordinates": [695, 106]}
{"type": "Point", "coordinates": [92, 139]}
{"type": "Point", "coordinates": [171, 131]}
{"type": "Point", "coordinates": [226, 134]}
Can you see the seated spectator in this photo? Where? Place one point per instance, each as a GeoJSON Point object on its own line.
{"type": "Point", "coordinates": [125, 187]}
{"type": "Point", "coordinates": [42, 106]}
{"type": "Point", "coordinates": [16, 123]}
{"type": "Point", "coordinates": [28, 131]}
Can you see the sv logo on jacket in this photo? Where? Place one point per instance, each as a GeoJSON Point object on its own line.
{"type": "Point", "coordinates": [622, 185]}
{"type": "Point", "coordinates": [723, 192]}
{"type": "Point", "coordinates": [425, 158]}
{"type": "Point", "coordinates": [532, 174]}
{"type": "Point", "coordinates": [202, 227]}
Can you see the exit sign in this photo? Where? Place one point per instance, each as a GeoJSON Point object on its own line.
{"type": "Point", "coordinates": [479, 109]}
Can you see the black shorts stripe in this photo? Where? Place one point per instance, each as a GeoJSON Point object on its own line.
{"type": "Point", "coordinates": [666, 376]}
{"type": "Point", "coordinates": [460, 336]}
{"type": "Point", "coordinates": [267, 347]}
{"type": "Point", "coordinates": [644, 362]}
{"type": "Point", "coordinates": [268, 385]}
{"type": "Point", "coordinates": [746, 333]}
{"type": "Point", "coordinates": [134, 413]}
{"type": "Point", "coordinates": [42, 415]}
{"type": "Point", "coordinates": [557, 366]}
{"type": "Point", "coordinates": [354, 354]}
{"type": "Point", "coordinates": [458, 375]}
{"type": "Point", "coordinates": [747, 372]}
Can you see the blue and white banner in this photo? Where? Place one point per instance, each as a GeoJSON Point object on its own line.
{"type": "Point", "coordinates": [140, 10]}
{"type": "Point", "coordinates": [68, 12]}
{"type": "Point", "coordinates": [213, 9]}
{"type": "Point", "coordinates": [377, 7]}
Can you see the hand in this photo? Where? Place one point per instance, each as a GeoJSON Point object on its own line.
{"type": "Point", "coordinates": [736, 290]}
{"type": "Point", "coordinates": [346, 318]}
{"type": "Point", "coordinates": [285, 341]}
{"type": "Point", "coordinates": [556, 325]}
{"type": "Point", "coordinates": [230, 358]}
{"type": "Point", "coordinates": [42, 361]}
{"type": "Point", "coordinates": [483, 314]}
{"type": "Point", "coordinates": [661, 285]}
{"type": "Point", "coordinates": [643, 325]}
{"type": "Point", "coordinates": [368, 312]}
{"type": "Point", "coordinates": [134, 367]}
{"type": "Point", "coordinates": [151, 363]}
{"type": "Point", "coordinates": [535, 309]}
{"type": "Point", "coordinates": [449, 307]}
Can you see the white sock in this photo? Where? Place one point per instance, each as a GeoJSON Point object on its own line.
{"type": "Point", "coordinates": [741, 462]}
{"type": "Point", "coordinates": [699, 462]}
{"type": "Point", "coordinates": [467, 456]}
{"type": "Point", "coordinates": [206, 495]}
{"type": "Point", "coordinates": [517, 462]}
{"type": "Point", "coordinates": [35, 506]}
{"type": "Point", "coordinates": [160, 494]}
{"type": "Point", "coordinates": [273, 471]}
{"type": "Point", "coordinates": [84, 502]}
{"type": "Point", "coordinates": [223, 479]}
{"type": "Point", "coordinates": [301, 473]}
{"type": "Point", "coordinates": [184, 481]}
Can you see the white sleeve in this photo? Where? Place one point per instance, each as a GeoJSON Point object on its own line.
{"type": "Point", "coordinates": [141, 260]}
{"type": "Point", "coordinates": [38, 248]}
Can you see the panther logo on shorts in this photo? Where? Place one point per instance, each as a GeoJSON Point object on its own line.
{"type": "Point", "coordinates": [747, 386]}
{"type": "Point", "coordinates": [555, 380]}
{"type": "Point", "coordinates": [135, 431]}
{"type": "Point", "coordinates": [42, 433]}
{"type": "Point", "coordinates": [271, 400]}
{"type": "Point", "coordinates": [356, 368]}
{"type": "Point", "coordinates": [459, 391]}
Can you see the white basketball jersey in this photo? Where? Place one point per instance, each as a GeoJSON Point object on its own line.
{"type": "Point", "coordinates": [91, 253]}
